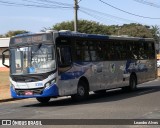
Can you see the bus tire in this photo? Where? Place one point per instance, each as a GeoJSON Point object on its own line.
{"type": "Point", "coordinates": [82, 92]}
{"type": "Point", "coordinates": [43, 99]}
{"type": "Point", "coordinates": [132, 84]}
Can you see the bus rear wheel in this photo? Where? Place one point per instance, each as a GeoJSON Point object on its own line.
{"type": "Point", "coordinates": [132, 84]}
{"type": "Point", "coordinates": [43, 99]}
{"type": "Point", "coordinates": [82, 92]}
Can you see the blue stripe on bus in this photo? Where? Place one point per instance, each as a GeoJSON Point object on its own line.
{"type": "Point", "coordinates": [76, 74]}
{"type": "Point", "coordinates": [92, 36]}
{"type": "Point", "coordinates": [71, 75]}
{"type": "Point", "coordinates": [137, 67]}
{"type": "Point", "coordinates": [49, 92]}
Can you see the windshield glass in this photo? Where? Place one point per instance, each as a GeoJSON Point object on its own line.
{"type": "Point", "coordinates": [32, 59]}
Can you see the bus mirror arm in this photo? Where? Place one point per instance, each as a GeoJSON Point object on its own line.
{"type": "Point", "coordinates": [3, 58]}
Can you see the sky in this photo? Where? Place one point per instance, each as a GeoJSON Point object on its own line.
{"type": "Point", "coordinates": [35, 15]}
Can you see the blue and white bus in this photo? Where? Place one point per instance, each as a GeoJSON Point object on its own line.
{"type": "Point", "coordinates": [64, 63]}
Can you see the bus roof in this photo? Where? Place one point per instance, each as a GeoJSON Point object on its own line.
{"type": "Point", "coordinates": [68, 33]}
{"type": "Point", "coordinates": [99, 36]}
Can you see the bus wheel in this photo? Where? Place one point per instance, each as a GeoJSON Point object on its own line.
{"type": "Point", "coordinates": [82, 92]}
{"type": "Point", "coordinates": [133, 83]}
{"type": "Point", "coordinates": [43, 99]}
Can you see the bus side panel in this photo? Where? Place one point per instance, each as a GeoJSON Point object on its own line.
{"type": "Point", "coordinates": [67, 87]}
{"type": "Point", "coordinates": [149, 73]}
{"type": "Point", "coordinates": [68, 80]}
{"type": "Point", "coordinates": [105, 75]}
{"type": "Point", "coordinates": [114, 74]}
{"type": "Point", "coordinates": [93, 72]}
{"type": "Point", "coordinates": [152, 69]}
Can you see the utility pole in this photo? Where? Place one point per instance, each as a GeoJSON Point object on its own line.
{"type": "Point", "coordinates": [75, 15]}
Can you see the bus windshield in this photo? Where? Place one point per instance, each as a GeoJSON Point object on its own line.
{"type": "Point", "coordinates": [32, 59]}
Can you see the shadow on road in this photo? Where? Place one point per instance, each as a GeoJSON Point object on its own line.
{"type": "Point", "coordinates": [109, 96]}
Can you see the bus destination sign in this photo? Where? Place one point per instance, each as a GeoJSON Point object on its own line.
{"type": "Point", "coordinates": [29, 39]}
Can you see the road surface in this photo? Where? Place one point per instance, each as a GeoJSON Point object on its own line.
{"type": "Point", "coordinates": [141, 104]}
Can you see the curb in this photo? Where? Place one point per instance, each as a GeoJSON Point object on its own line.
{"type": "Point", "coordinates": [8, 100]}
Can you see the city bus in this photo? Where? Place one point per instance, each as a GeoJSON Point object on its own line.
{"type": "Point", "coordinates": [54, 63]}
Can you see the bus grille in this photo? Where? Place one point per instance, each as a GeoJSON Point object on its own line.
{"type": "Point", "coordinates": [35, 91]}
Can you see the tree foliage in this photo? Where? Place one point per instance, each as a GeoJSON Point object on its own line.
{"type": "Point", "coordinates": [92, 27]}
{"type": "Point", "coordinates": [84, 26]}
{"type": "Point", "coordinates": [13, 33]}
{"type": "Point", "coordinates": [156, 33]}
{"type": "Point", "coordinates": [136, 30]}
{"type": "Point", "coordinates": [2, 36]}
{"type": "Point", "coordinates": [133, 29]}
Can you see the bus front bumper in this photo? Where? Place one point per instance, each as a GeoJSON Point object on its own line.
{"type": "Point", "coordinates": [52, 91]}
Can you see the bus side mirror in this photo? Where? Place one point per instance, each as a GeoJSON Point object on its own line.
{"type": "Point", "coordinates": [3, 58]}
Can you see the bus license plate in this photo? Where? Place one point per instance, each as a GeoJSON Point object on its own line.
{"type": "Point", "coordinates": [28, 93]}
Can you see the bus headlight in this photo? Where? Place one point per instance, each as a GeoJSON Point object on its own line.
{"type": "Point", "coordinates": [53, 81]}
{"type": "Point", "coordinates": [12, 86]}
{"type": "Point", "coordinates": [49, 83]}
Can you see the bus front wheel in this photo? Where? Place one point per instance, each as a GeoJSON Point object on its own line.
{"type": "Point", "coordinates": [43, 99]}
{"type": "Point", "coordinates": [82, 92]}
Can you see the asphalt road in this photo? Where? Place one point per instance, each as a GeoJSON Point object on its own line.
{"type": "Point", "coordinates": [141, 104]}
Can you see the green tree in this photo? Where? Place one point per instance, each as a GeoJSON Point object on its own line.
{"type": "Point", "coordinates": [13, 33]}
{"type": "Point", "coordinates": [136, 30]}
{"type": "Point", "coordinates": [1, 36]}
{"type": "Point", "coordinates": [84, 26]}
{"type": "Point", "coordinates": [156, 33]}
{"type": "Point", "coordinates": [66, 25]}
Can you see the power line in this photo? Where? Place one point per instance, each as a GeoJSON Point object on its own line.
{"type": "Point", "coordinates": [55, 2]}
{"type": "Point", "coordinates": [45, 4]}
{"type": "Point", "coordinates": [8, 3]}
{"type": "Point", "coordinates": [39, 3]}
{"type": "Point", "coordinates": [128, 12]}
{"type": "Point", "coordinates": [106, 15]}
{"type": "Point", "coordinates": [79, 1]}
{"type": "Point", "coordinates": [99, 18]}
{"type": "Point", "coordinates": [92, 13]}
{"type": "Point", "coordinates": [148, 3]}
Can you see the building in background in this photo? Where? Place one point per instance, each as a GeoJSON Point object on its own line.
{"type": "Point", "coordinates": [4, 44]}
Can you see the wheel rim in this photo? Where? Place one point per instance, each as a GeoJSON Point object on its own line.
{"type": "Point", "coordinates": [81, 91]}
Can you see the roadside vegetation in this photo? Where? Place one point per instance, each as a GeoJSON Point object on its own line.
{"type": "Point", "coordinates": [92, 27]}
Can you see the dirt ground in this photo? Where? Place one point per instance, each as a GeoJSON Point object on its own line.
{"type": "Point", "coordinates": [4, 85]}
